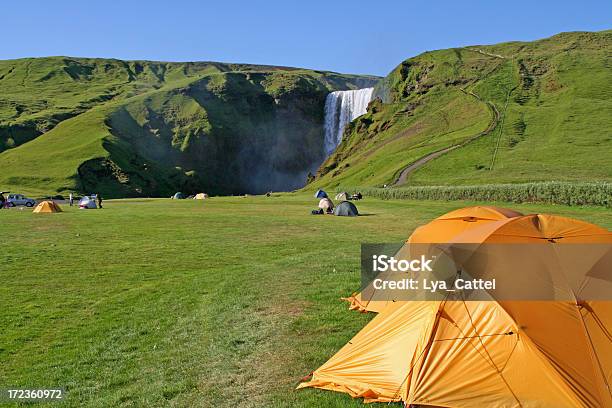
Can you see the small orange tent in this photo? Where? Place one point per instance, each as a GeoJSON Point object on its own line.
{"type": "Point", "coordinates": [486, 353]}
{"type": "Point", "coordinates": [47, 207]}
{"type": "Point", "coordinates": [442, 229]}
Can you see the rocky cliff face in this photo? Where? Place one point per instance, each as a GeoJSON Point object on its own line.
{"type": "Point", "coordinates": [163, 127]}
{"type": "Point", "coordinates": [228, 133]}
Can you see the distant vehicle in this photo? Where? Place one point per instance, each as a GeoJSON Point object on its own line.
{"type": "Point", "coordinates": [19, 199]}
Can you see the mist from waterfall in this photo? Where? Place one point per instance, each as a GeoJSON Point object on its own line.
{"type": "Point", "coordinates": [342, 107]}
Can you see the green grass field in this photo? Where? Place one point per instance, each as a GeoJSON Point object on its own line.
{"type": "Point", "coordinates": [223, 302]}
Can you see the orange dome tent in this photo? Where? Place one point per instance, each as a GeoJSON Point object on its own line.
{"type": "Point", "coordinates": [442, 229]}
{"type": "Point", "coordinates": [487, 353]}
{"type": "Point", "coordinates": [47, 207]}
{"type": "Point", "coordinates": [449, 225]}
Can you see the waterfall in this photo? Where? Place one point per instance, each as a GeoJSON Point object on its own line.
{"type": "Point", "coordinates": [342, 107]}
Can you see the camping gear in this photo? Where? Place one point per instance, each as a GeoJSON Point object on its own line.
{"type": "Point", "coordinates": [441, 229]}
{"type": "Point", "coordinates": [343, 196]}
{"type": "Point", "coordinates": [347, 209]}
{"type": "Point", "coordinates": [318, 211]}
{"type": "Point", "coordinates": [178, 196]}
{"type": "Point", "coordinates": [87, 203]}
{"type": "Point", "coordinates": [457, 353]}
{"type": "Point", "coordinates": [200, 196]}
{"type": "Point", "coordinates": [320, 194]}
{"type": "Point", "coordinates": [326, 205]}
{"type": "Point", "coordinates": [47, 207]}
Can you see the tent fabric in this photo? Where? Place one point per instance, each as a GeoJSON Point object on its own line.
{"type": "Point", "coordinates": [347, 209]}
{"type": "Point", "coordinates": [476, 354]}
{"type": "Point", "coordinates": [343, 196]}
{"type": "Point", "coordinates": [480, 212]}
{"type": "Point", "coordinates": [320, 194]}
{"type": "Point", "coordinates": [440, 230]}
{"type": "Point", "coordinates": [430, 353]}
{"type": "Point", "coordinates": [455, 222]}
{"type": "Point", "coordinates": [535, 228]}
{"type": "Point", "coordinates": [326, 204]}
{"type": "Point", "coordinates": [87, 203]}
{"type": "Point", "coordinates": [47, 207]}
{"type": "Point", "coordinates": [178, 196]}
{"type": "Point", "coordinates": [200, 196]}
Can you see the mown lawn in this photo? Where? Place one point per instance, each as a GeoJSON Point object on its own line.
{"type": "Point", "coordinates": [224, 302]}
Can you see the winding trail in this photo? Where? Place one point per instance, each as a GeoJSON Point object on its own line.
{"type": "Point", "coordinates": [478, 50]}
{"type": "Point", "coordinates": [403, 176]}
{"type": "Point", "coordinates": [495, 120]}
{"type": "Point", "coordinates": [501, 129]}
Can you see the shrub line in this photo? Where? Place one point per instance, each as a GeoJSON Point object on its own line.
{"type": "Point", "coordinates": [552, 192]}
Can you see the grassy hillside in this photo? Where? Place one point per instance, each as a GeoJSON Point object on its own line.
{"type": "Point", "coordinates": [508, 113]}
{"type": "Point", "coordinates": [129, 128]}
{"type": "Point", "coordinates": [165, 323]}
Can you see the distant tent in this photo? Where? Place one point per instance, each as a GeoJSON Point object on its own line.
{"type": "Point", "coordinates": [47, 207]}
{"type": "Point", "coordinates": [320, 194]}
{"type": "Point", "coordinates": [343, 196]}
{"type": "Point", "coordinates": [87, 203]}
{"type": "Point", "coordinates": [178, 196]}
{"type": "Point", "coordinates": [326, 204]}
{"type": "Point", "coordinates": [347, 209]}
{"type": "Point", "coordinates": [200, 196]}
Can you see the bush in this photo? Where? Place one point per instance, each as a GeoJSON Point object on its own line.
{"type": "Point", "coordinates": [555, 192]}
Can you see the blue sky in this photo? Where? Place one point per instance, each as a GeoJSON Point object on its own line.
{"type": "Point", "coordinates": [347, 36]}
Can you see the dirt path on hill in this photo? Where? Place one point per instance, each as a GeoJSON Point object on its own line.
{"type": "Point", "coordinates": [403, 176]}
{"type": "Point", "coordinates": [495, 120]}
{"type": "Point", "coordinates": [478, 50]}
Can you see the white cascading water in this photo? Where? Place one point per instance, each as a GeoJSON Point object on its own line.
{"type": "Point", "coordinates": [342, 107]}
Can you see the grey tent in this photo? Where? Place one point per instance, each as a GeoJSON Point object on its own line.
{"type": "Point", "coordinates": [343, 196]}
{"type": "Point", "coordinates": [178, 196]}
{"type": "Point", "coordinates": [347, 209]}
{"type": "Point", "coordinates": [320, 194]}
{"type": "Point", "coordinates": [87, 203]}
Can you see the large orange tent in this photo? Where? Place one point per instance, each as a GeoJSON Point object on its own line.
{"type": "Point", "coordinates": [441, 229]}
{"type": "Point", "coordinates": [486, 353]}
{"type": "Point", "coordinates": [47, 207]}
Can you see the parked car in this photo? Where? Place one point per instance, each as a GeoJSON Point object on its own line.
{"type": "Point", "coordinates": [19, 199]}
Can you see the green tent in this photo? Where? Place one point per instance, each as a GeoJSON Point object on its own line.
{"type": "Point", "coordinates": [347, 209]}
